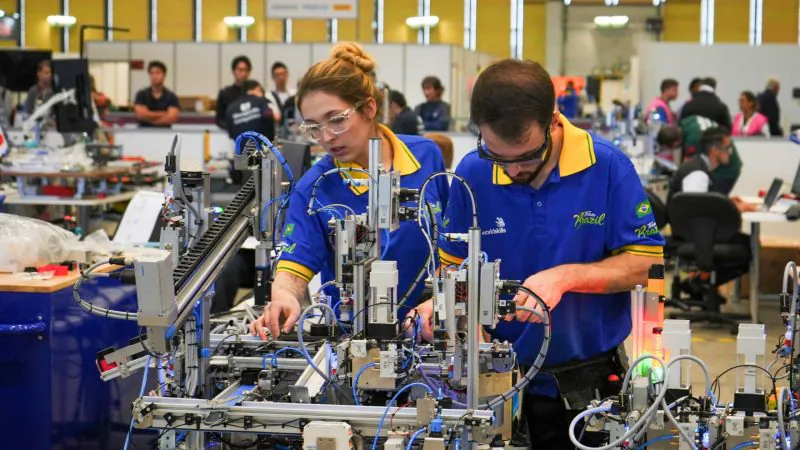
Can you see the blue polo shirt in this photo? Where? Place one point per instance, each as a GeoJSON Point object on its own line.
{"type": "Point", "coordinates": [591, 206]}
{"type": "Point", "coordinates": [308, 248]}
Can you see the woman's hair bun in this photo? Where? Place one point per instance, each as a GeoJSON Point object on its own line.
{"type": "Point", "coordinates": [354, 54]}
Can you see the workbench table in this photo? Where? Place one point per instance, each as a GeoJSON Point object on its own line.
{"type": "Point", "coordinates": [50, 386]}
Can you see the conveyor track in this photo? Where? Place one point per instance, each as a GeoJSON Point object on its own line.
{"type": "Point", "coordinates": [201, 248]}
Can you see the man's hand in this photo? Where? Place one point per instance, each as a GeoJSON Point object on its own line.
{"type": "Point", "coordinates": [282, 305]}
{"type": "Point", "coordinates": [424, 313]}
{"type": "Point", "coordinates": [549, 285]}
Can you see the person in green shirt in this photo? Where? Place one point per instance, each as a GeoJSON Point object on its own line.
{"type": "Point", "coordinates": [724, 177]}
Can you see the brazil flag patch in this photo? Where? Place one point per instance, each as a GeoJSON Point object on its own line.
{"type": "Point", "coordinates": [643, 209]}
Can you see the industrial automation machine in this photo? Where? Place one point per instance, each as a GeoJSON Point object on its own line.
{"type": "Point", "coordinates": [355, 374]}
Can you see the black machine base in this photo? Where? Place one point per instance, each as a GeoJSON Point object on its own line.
{"type": "Point", "coordinates": [749, 403]}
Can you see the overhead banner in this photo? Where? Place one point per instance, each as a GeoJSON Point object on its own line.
{"type": "Point", "coordinates": [312, 9]}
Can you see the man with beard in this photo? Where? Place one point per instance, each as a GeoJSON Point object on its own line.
{"type": "Point", "coordinates": [565, 211]}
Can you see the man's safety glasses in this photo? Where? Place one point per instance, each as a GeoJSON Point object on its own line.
{"type": "Point", "coordinates": [530, 158]}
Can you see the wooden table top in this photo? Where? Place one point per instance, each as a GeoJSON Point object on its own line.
{"type": "Point", "coordinates": [10, 282]}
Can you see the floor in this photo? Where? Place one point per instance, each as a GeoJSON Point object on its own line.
{"type": "Point", "coordinates": [716, 346]}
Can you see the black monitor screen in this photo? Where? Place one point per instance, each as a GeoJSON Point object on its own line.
{"type": "Point", "coordinates": [773, 192]}
{"type": "Point", "coordinates": [18, 68]}
{"type": "Point", "coordinates": [77, 117]}
{"type": "Point", "coordinates": [796, 183]}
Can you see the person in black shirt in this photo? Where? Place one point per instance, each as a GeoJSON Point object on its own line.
{"type": "Point", "coordinates": [404, 120]}
{"type": "Point", "coordinates": [706, 103]}
{"type": "Point", "coordinates": [251, 112]}
{"type": "Point", "coordinates": [241, 67]}
{"type": "Point", "coordinates": [768, 106]}
{"type": "Point", "coordinates": [156, 106]}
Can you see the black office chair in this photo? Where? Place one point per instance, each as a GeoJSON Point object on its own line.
{"type": "Point", "coordinates": [705, 224]}
{"type": "Point", "coordinates": [659, 209]}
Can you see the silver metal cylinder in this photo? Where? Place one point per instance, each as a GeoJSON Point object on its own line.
{"type": "Point", "coordinates": [372, 205]}
{"type": "Point", "coordinates": [473, 310]}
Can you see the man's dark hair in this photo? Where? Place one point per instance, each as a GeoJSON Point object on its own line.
{"type": "Point", "coordinates": [241, 59]}
{"type": "Point", "coordinates": [398, 98]}
{"type": "Point", "coordinates": [668, 83]}
{"type": "Point", "coordinates": [713, 137]}
{"type": "Point", "coordinates": [710, 82]}
{"type": "Point", "coordinates": [433, 82]}
{"type": "Point", "coordinates": [510, 95]}
{"type": "Point", "coordinates": [42, 64]}
{"type": "Point", "coordinates": [251, 84]}
{"type": "Point", "coordinates": [158, 65]}
{"type": "Point", "coordinates": [278, 65]}
{"type": "Point", "coordinates": [695, 84]}
{"type": "Point", "coordinates": [668, 136]}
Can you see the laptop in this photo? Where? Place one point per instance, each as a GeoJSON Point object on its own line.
{"type": "Point", "coordinates": [772, 194]}
{"type": "Point", "coordinates": [796, 182]}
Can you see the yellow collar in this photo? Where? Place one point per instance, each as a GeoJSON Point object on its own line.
{"type": "Point", "coordinates": [577, 154]}
{"type": "Point", "coordinates": [403, 160]}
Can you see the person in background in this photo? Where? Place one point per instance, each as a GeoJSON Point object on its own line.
{"type": "Point", "coordinates": [750, 122]}
{"type": "Point", "coordinates": [669, 143]}
{"type": "Point", "coordinates": [101, 101]}
{"type": "Point", "coordinates": [251, 112]}
{"type": "Point", "coordinates": [280, 96]}
{"type": "Point", "coordinates": [569, 102]}
{"type": "Point", "coordinates": [660, 105]}
{"type": "Point", "coordinates": [694, 86]}
{"type": "Point", "coordinates": [241, 67]}
{"type": "Point", "coordinates": [725, 175]}
{"type": "Point", "coordinates": [435, 112]}
{"type": "Point", "coordinates": [156, 106]}
{"type": "Point", "coordinates": [768, 106]}
{"type": "Point", "coordinates": [707, 104]}
{"type": "Point", "coordinates": [43, 89]}
{"type": "Point", "coordinates": [697, 175]}
{"type": "Point", "coordinates": [404, 120]}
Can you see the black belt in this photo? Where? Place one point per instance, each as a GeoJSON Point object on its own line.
{"type": "Point", "coordinates": [580, 381]}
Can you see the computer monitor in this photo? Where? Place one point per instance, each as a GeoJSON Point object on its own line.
{"type": "Point", "coordinates": [772, 193]}
{"type": "Point", "coordinates": [18, 68]}
{"type": "Point", "coordinates": [298, 156]}
{"type": "Point", "coordinates": [78, 117]}
{"type": "Point", "coordinates": [796, 182]}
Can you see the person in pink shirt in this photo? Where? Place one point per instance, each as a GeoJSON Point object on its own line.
{"type": "Point", "coordinates": [660, 105]}
{"type": "Point", "coordinates": [750, 122]}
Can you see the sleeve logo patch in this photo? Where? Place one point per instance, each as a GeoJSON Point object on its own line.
{"type": "Point", "coordinates": [289, 230]}
{"type": "Point", "coordinates": [643, 209]}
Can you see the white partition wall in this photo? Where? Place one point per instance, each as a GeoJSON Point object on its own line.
{"type": "Point", "coordinates": [736, 67]}
{"type": "Point", "coordinates": [196, 68]}
{"type": "Point", "coordinates": [202, 68]}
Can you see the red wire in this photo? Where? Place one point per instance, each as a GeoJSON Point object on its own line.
{"type": "Point", "coordinates": [391, 426]}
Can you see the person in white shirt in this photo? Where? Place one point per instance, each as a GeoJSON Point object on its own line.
{"type": "Point", "coordinates": [281, 92]}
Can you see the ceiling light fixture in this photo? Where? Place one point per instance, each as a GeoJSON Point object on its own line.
{"type": "Point", "coordinates": [422, 21]}
{"type": "Point", "coordinates": [611, 21]}
{"type": "Point", "coordinates": [239, 21]}
{"type": "Point", "coordinates": [61, 21]}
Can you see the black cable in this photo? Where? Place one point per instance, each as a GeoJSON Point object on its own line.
{"type": "Point", "coordinates": [739, 366]}
{"type": "Point", "coordinates": [221, 342]}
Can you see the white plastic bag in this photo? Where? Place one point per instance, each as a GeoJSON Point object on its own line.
{"type": "Point", "coordinates": [27, 242]}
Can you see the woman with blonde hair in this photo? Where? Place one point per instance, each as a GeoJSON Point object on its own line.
{"type": "Point", "coordinates": [341, 107]}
